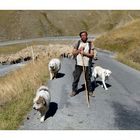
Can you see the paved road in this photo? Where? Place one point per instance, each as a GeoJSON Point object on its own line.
{"type": "Point", "coordinates": [53, 38]}
{"type": "Point", "coordinates": [117, 108]}
{"type": "Point", "coordinates": [5, 69]}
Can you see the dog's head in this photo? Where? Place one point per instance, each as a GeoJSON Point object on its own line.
{"type": "Point", "coordinates": [52, 65]}
{"type": "Point", "coordinates": [107, 73]}
{"type": "Point", "coordinates": [39, 103]}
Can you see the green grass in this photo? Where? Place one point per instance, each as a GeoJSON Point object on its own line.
{"type": "Point", "coordinates": [10, 49]}
{"type": "Point", "coordinates": [13, 113]}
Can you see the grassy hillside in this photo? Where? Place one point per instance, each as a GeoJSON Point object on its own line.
{"type": "Point", "coordinates": [124, 40]}
{"type": "Point", "coordinates": [30, 24]}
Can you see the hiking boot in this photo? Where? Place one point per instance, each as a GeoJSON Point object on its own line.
{"type": "Point", "coordinates": [92, 94]}
{"type": "Point", "coordinates": [73, 93]}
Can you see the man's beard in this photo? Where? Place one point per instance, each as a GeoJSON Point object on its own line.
{"type": "Point", "coordinates": [85, 40]}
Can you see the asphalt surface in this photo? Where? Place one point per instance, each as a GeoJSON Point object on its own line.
{"type": "Point", "coordinates": [117, 108]}
{"type": "Point", "coordinates": [51, 38]}
{"type": "Point", "coordinates": [5, 69]}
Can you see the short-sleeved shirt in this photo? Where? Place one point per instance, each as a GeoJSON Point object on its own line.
{"type": "Point", "coordinates": [86, 50]}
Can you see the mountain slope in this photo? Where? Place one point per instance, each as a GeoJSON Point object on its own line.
{"type": "Point", "coordinates": [32, 24]}
{"type": "Point", "coordinates": [124, 40]}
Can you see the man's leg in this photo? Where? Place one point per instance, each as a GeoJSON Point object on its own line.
{"type": "Point", "coordinates": [88, 80]}
{"type": "Point", "coordinates": [76, 75]}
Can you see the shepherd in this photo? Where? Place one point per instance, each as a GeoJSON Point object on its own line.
{"type": "Point", "coordinates": [83, 52]}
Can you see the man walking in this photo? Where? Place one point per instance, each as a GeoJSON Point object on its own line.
{"type": "Point", "coordinates": [84, 52]}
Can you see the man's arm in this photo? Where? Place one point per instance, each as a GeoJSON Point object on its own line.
{"type": "Point", "coordinates": [75, 52]}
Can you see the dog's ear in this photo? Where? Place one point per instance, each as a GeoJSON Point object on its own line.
{"type": "Point", "coordinates": [44, 102]}
{"type": "Point", "coordinates": [109, 71]}
{"type": "Point", "coordinates": [105, 72]}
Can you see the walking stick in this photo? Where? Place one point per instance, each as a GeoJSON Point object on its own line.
{"type": "Point", "coordinates": [87, 94]}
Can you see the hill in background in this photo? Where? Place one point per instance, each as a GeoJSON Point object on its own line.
{"type": "Point", "coordinates": [33, 24]}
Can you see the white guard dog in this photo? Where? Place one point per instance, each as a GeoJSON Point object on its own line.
{"type": "Point", "coordinates": [42, 101]}
{"type": "Point", "coordinates": [102, 73]}
{"type": "Point", "coordinates": [54, 67]}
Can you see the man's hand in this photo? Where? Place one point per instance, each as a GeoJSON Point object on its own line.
{"type": "Point", "coordinates": [76, 52]}
{"type": "Point", "coordinates": [82, 50]}
{"type": "Point", "coordinates": [79, 51]}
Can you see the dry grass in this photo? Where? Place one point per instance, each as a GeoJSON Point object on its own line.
{"type": "Point", "coordinates": [124, 40]}
{"type": "Point", "coordinates": [18, 88]}
{"type": "Point", "coordinates": [128, 61]}
{"type": "Point", "coordinates": [11, 85]}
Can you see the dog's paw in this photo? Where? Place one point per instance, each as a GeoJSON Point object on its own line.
{"type": "Point", "coordinates": [51, 78]}
{"type": "Point", "coordinates": [42, 119]}
{"type": "Point", "coordinates": [106, 89]}
{"type": "Point", "coordinates": [102, 86]}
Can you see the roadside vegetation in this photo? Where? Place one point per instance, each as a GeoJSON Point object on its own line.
{"type": "Point", "coordinates": [14, 48]}
{"type": "Point", "coordinates": [125, 41]}
{"type": "Point", "coordinates": [18, 88]}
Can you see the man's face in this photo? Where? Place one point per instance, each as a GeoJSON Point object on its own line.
{"type": "Point", "coordinates": [84, 37]}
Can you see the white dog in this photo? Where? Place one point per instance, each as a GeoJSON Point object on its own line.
{"type": "Point", "coordinates": [102, 73]}
{"type": "Point", "coordinates": [54, 67]}
{"type": "Point", "coordinates": [42, 101]}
